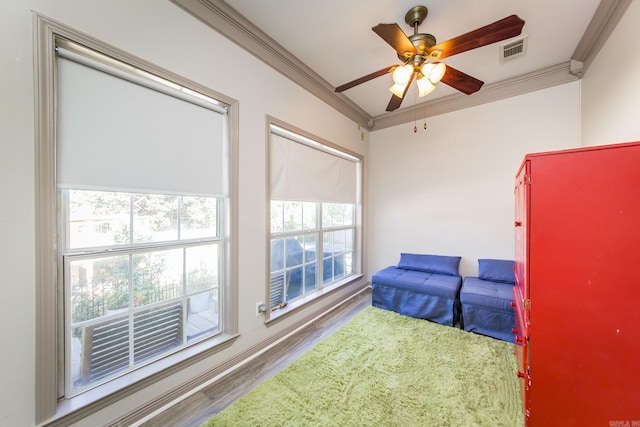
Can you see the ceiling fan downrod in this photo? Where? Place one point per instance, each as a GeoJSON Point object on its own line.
{"type": "Point", "coordinates": [415, 16]}
{"type": "Point", "coordinates": [421, 41]}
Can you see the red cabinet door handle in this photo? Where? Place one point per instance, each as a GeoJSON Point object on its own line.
{"type": "Point", "coordinates": [518, 223]}
{"type": "Point", "coordinates": [520, 374]}
{"type": "Point", "coordinates": [518, 339]}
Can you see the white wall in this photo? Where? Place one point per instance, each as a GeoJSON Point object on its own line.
{"type": "Point", "coordinates": [163, 34]}
{"type": "Point", "coordinates": [611, 86]}
{"type": "Point", "coordinates": [449, 190]}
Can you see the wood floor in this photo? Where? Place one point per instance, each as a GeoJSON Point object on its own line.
{"type": "Point", "coordinates": [199, 407]}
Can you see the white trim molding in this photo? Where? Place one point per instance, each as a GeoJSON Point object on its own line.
{"type": "Point", "coordinates": [223, 18]}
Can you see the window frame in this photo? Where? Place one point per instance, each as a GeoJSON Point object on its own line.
{"type": "Point", "coordinates": [70, 254]}
{"type": "Point", "coordinates": [357, 259]}
{"type": "Point", "coordinates": [49, 406]}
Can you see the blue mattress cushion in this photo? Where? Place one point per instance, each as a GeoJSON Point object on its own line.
{"type": "Point", "coordinates": [439, 264]}
{"type": "Point", "coordinates": [485, 293]}
{"type": "Point", "coordinates": [496, 270]}
{"type": "Point", "coordinates": [419, 281]}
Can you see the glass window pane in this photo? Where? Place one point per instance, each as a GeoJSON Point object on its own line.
{"type": "Point", "coordinates": [157, 330]}
{"type": "Point", "coordinates": [292, 216]}
{"type": "Point", "coordinates": [310, 247]}
{"type": "Point", "coordinates": [99, 350]}
{"type": "Point", "coordinates": [337, 214]}
{"type": "Point", "coordinates": [310, 282]}
{"type": "Point", "coordinates": [327, 244]}
{"type": "Point", "coordinates": [202, 268]}
{"type": "Point", "coordinates": [157, 276]}
{"type": "Point", "coordinates": [335, 255]}
{"type": "Point", "coordinates": [277, 254]}
{"type": "Point", "coordinates": [327, 219]}
{"type": "Point", "coordinates": [277, 215]}
{"type": "Point", "coordinates": [98, 287]}
{"type": "Point", "coordinates": [202, 317]}
{"type": "Point", "coordinates": [310, 216]}
{"type": "Point", "coordinates": [348, 244]}
{"type": "Point", "coordinates": [349, 211]}
{"type": "Point", "coordinates": [331, 215]}
{"type": "Point", "coordinates": [348, 263]}
{"type": "Point", "coordinates": [198, 217]}
{"type": "Point", "coordinates": [155, 218]}
{"type": "Point", "coordinates": [339, 241]}
{"type": "Point", "coordinates": [327, 270]}
{"type": "Point", "coordinates": [295, 285]}
{"type": "Point", "coordinates": [98, 218]}
{"type": "Point", "coordinates": [338, 266]}
{"type": "Point", "coordinates": [294, 252]}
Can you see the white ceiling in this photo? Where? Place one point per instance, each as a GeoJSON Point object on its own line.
{"type": "Point", "coordinates": [323, 44]}
{"type": "Point", "coordinates": [335, 39]}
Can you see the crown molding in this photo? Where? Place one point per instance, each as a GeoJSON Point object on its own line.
{"type": "Point", "coordinates": [604, 21]}
{"type": "Point", "coordinates": [536, 80]}
{"type": "Point", "coordinates": [230, 23]}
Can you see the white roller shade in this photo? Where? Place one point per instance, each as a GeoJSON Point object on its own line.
{"type": "Point", "coordinates": [117, 135]}
{"type": "Point", "coordinates": [303, 173]}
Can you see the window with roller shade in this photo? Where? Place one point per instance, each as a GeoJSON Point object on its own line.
{"type": "Point", "coordinates": [314, 222]}
{"type": "Point", "coordinates": [142, 176]}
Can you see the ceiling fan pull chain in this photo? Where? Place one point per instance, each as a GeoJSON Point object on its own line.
{"type": "Point", "coordinates": [425, 115]}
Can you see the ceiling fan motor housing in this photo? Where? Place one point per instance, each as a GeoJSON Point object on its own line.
{"type": "Point", "coordinates": [421, 41]}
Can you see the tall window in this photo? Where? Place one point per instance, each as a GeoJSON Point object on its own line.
{"type": "Point", "coordinates": [314, 222]}
{"type": "Point", "coordinates": [142, 183]}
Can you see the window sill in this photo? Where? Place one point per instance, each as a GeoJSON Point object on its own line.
{"type": "Point", "coordinates": [75, 408]}
{"type": "Point", "coordinates": [315, 296]}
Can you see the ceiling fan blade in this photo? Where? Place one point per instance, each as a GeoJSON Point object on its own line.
{"type": "Point", "coordinates": [461, 81]}
{"type": "Point", "coordinates": [366, 78]}
{"type": "Point", "coordinates": [395, 101]}
{"type": "Point", "coordinates": [397, 39]}
{"type": "Point", "coordinates": [503, 29]}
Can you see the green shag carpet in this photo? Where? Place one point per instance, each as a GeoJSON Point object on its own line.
{"type": "Point", "coordinates": [384, 369]}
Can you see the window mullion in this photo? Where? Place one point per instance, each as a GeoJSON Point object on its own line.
{"type": "Point", "coordinates": [179, 217]}
{"type": "Point", "coordinates": [131, 210]}
{"type": "Point", "coordinates": [320, 248]}
{"type": "Point", "coordinates": [185, 297]}
{"type": "Point", "coordinates": [130, 310]}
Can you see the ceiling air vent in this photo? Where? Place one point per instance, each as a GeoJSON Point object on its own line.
{"type": "Point", "coordinates": [513, 49]}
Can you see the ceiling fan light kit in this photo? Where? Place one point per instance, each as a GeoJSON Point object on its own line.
{"type": "Point", "coordinates": [425, 86]}
{"type": "Point", "coordinates": [434, 71]}
{"type": "Point", "coordinates": [418, 51]}
{"type": "Point", "coordinates": [398, 89]}
{"type": "Point", "coordinates": [401, 75]}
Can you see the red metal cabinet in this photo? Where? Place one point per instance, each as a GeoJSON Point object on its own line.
{"type": "Point", "coordinates": [578, 286]}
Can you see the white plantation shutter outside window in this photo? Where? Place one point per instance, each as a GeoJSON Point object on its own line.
{"type": "Point", "coordinates": [303, 172]}
{"type": "Point", "coordinates": [115, 134]}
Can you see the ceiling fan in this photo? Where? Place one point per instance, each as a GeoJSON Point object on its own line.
{"type": "Point", "coordinates": [420, 55]}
